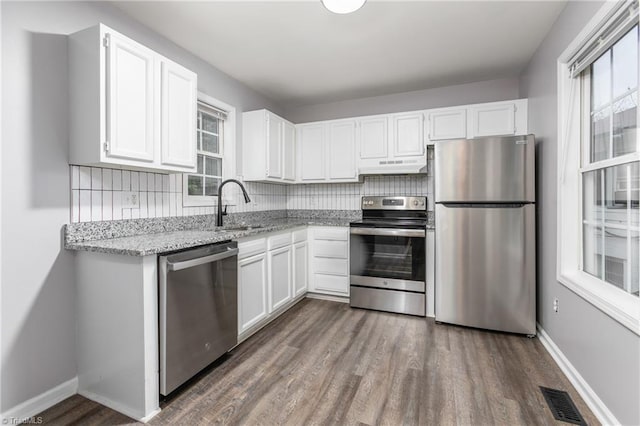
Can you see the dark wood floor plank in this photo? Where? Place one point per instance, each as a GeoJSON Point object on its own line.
{"type": "Point", "coordinates": [323, 363]}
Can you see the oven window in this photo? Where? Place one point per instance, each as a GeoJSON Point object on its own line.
{"type": "Point", "coordinates": [401, 258]}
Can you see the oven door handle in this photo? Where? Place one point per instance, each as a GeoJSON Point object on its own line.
{"type": "Point", "coordinates": [389, 232]}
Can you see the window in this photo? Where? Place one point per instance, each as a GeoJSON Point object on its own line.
{"type": "Point", "coordinates": [214, 149]}
{"type": "Point", "coordinates": [599, 164]}
{"type": "Point", "coordinates": [610, 171]}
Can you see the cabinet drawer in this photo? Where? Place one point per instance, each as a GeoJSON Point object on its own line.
{"type": "Point", "coordinates": [331, 266]}
{"type": "Point", "coordinates": [300, 235]}
{"type": "Point", "coordinates": [280, 240]}
{"type": "Point", "coordinates": [251, 247]}
{"type": "Point", "coordinates": [332, 249]}
{"type": "Point", "coordinates": [332, 284]}
{"type": "Point", "coordinates": [334, 234]}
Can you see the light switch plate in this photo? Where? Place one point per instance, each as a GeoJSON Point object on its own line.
{"type": "Point", "coordinates": [130, 199]}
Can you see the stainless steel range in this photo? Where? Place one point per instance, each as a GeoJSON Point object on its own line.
{"type": "Point", "coordinates": [388, 255]}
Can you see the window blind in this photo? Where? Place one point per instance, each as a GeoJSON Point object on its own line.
{"type": "Point", "coordinates": [621, 18]}
{"type": "Point", "coordinates": [216, 112]}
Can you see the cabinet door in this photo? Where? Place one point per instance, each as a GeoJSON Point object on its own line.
{"type": "Point", "coordinates": [252, 291]}
{"type": "Point", "coordinates": [493, 119]}
{"type": "Point", "coordinates": [179, 111]}
{"type": "Point", "coordinates": [342, 150]}
{"type": "Point", "coordinates": [312, 152]}
{"type": "Point", "coordinates": [408, 135]}
{"type": "Point", "coordinates": [448, 124]}
{"type": "Point", "coordinates": [280, 291]}
{"type": "Point", "coordinates": [289, 162]}
{"type": "Point", "coordinates": [130, 99]}
{"type": "Point", "coordinates": [300, 270]}
{"type": "Point", "coordinates": [374, 138]}
{"type": "Point", "coordinates": [274, 146]}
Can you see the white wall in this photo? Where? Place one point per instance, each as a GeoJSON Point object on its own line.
{"type": "Point", "coordinates": [471, 93]}
{"type": "Point", "coordinates": [605, 353]}
{"type": "Point", "coordinates": [37, 312]}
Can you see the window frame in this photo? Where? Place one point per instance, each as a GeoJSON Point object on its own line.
{"type": "Point", "coordinates": [227, 153]}
{"type": "Point", "coordinates": [589, 166]}
{"type": "Point", "coordinates": [615, 302]}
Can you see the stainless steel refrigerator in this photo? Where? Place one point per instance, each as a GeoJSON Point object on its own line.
{"type": "Point", "coordinates": [485, 233]}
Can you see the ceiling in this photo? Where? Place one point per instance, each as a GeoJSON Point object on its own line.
{"type": "Point", "coordinates": [297, 53]}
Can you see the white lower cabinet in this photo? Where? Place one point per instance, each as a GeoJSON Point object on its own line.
{"type": "Point", "coordinates": [252, 291]}
{"type": "Point", "coordinates": [329, 260]}
{"type": "Point", "coordinates": [279, 277]}
{"type": "Point", "coordinates": [272, 275]}
{"type": "Point", "coordinates": [300, 268]}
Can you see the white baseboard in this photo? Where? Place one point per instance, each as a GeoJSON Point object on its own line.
{"type": "Point", "coordinates": [39, 403]}
{"type": "Point", "coordinates": [119, 407]}
{"type": "Point", "coordinates": [593, 401]}
{"type": "Point", "coordinates": [341, 299]}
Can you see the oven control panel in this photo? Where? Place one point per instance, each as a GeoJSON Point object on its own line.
{"type": "Point", "coordinates": [394, 203]}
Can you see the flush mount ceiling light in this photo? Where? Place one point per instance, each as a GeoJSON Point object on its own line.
{"type": "Point", "coordinates": [343, 6]}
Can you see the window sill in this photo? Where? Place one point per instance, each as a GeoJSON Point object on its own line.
{"type": "Point", "coordinates": [614, 302]}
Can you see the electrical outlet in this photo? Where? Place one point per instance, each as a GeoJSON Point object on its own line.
{"type": "Point", "coordinates": [130, 199]}
{"type": "Point", "coordinates": [555, 305]}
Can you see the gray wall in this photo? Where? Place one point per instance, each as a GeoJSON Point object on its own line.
{"type": "Point", "coordinates": [605, 353]}
{"type": "Point", "coordinates": [483, 91]}
{"type": "Point", "coordinates": [38, 289]}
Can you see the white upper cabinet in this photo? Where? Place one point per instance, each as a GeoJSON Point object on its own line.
{"type": "Point", "coordinates": [408, 135]}
{"type": "Point", "coordinates": [342, 150]}
{"type": "Point", "coordinates": [392, 144]}
{"type": "Point", "coordinates": [179, 114]}
{"type": "Point", "coordinates": [327, 152]}
{"type": "Point", "coordinates": [447, 123]}
{"type": "Point", "coordinates": [129, 99]}
{"type": "Point", "coordinates": [311, 148]}
{"type": "Point", "coordinates": [374, 137]}
{"type": "Point", "coordinates": [498, 119]}
{"type": "Point", "coordinates": [268, 147]}
{"type": "Point", "coordinates": [289, 157]}
{"type": "Point", "coordinates": [275, 144]}
{"type": "Point", "coordinates": [129, 106]}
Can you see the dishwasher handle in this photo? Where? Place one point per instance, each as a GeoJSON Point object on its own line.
{"type": "Point", "coordinates": [177, 266]}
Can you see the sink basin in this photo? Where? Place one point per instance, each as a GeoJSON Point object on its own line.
{"type": "Point", "coordinates": [242, 227]}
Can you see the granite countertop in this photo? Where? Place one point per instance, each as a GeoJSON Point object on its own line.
{"type": "Point", "coordinates": [162, 242]}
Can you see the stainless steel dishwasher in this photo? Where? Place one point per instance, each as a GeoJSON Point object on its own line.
{"type": "Point", "coordinates": [197, 310]}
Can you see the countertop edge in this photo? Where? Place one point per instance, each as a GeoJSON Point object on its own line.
{"type": "Point", "coordinates": [99, 246]}
{"type": "Point", "coordinates": [215, 236]}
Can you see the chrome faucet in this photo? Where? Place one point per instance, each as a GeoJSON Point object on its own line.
{"type": "Point", "coordinates": [244, 192]}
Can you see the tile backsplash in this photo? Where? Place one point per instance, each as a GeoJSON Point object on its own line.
{"type": "Point", "coordinates": [347, 196]}
{"type": "Point", "coordinates": [97, 194]}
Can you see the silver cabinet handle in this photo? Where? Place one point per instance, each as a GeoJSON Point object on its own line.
{"type": "Point", "coordinates": [389, 232]}
{"type": "Point", "coordinates": [201, 260]}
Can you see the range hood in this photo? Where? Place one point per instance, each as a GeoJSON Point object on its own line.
{"type": "Point", "coordinates": [395, 167]}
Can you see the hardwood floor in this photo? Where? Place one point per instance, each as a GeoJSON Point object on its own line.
{"type": "Point", "coordinates": [325, 363]}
